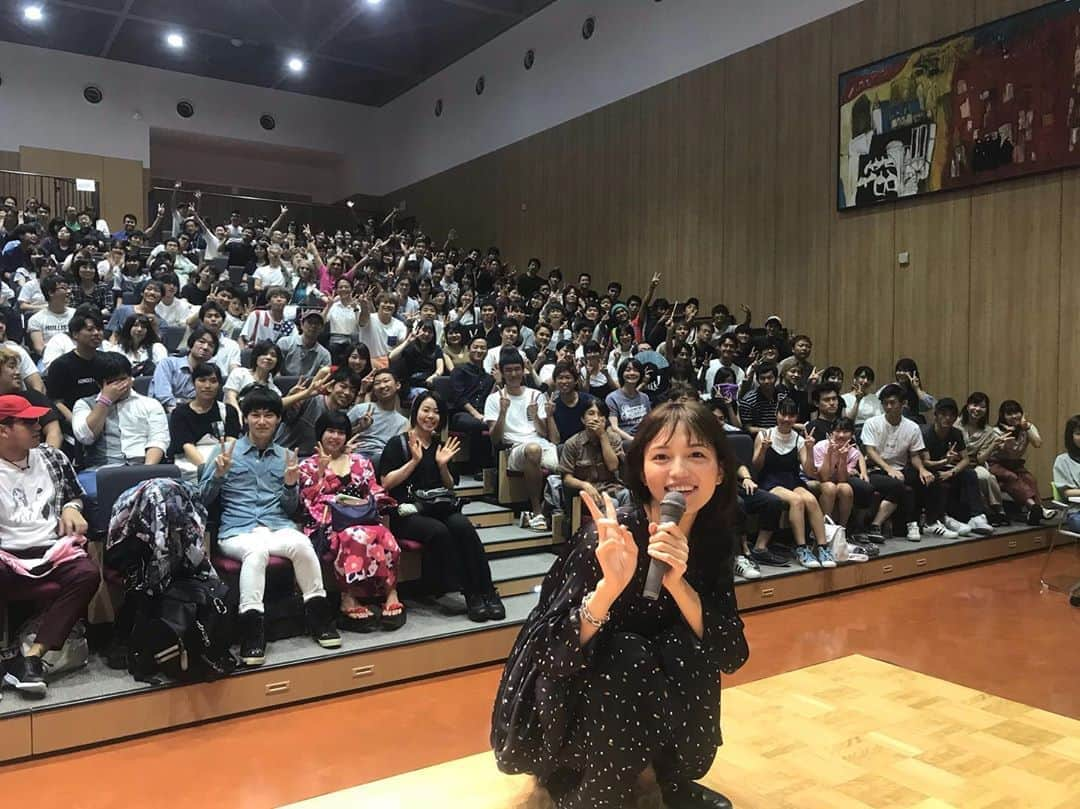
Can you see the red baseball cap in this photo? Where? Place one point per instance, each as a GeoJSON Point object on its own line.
{"type": "Point", "coordinates": [16, 407]}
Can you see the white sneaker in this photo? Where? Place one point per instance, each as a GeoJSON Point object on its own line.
{"type": "Point", "coordinates": [537, 522]}
{"type": "Point", "coordinates": [746, 567]}
{"type": "Point", "coordinates": [938, 530]}
{"type": "Point", "coordinates": [523, 520]}
{"type": "Point", "coordinates": [980, 526]}
{"type": "Point", "coordinates": [913, 532]}
{"type": "Point", "coordinates": [962, 529]}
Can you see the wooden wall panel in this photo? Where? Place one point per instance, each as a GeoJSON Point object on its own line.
{"type": "Point", "coordinates": [121, 182]}
{"type": "Point", "coordinates": [923, 21]}
{"type": "Point", "coordinates": [9, 161]}
{"type": "Point", "coordinates": [1016, 243]}
{"type": "Point", "coordinates": [750, 178]}
{"type": "Point", "coordinates": [990, 10]}
{"type": "Point", "coordinates": [1068, 376]}
{"type": "Point", "coordinates": [804, 182]}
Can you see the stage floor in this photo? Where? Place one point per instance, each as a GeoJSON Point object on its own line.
{"type": "Point", "coordinates": [853, 733]}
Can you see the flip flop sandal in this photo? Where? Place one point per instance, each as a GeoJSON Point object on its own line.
{"type": "Point", "coordinates": [392, 622]}
{"type": "Point", "coordinates": [358, 619]}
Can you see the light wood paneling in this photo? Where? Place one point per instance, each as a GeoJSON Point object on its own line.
{"type": "Point", "coordinates": [804, 182]}
{"type": "Point", "coordinates": [990, 10]}
{"type": "Point", "coordinates": [750, 178]}
{"type": "Point", "coordinates": [1016, 242]}
{"type": "Point", "coordinates": [9, 161]}
{"type": "Point", "coordinates": [1068, 377]}
{"type": "Point", "coordinates": [923, 21]}
{"type": "Point", "coordinates": [931, 306]}
{"type": "Point", "coordinates": [15, 738]}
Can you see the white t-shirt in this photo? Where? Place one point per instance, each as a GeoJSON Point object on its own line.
{"type": "Point", "coordinates": [58, 346]}
{"type": "Point", "coordinates": [30, 292]}
{"type": "Point", "coordinates": [241, 377]}
{"type": "Point", "coordinates": [26, 365]}
{"type": "Point", "coordinates": [175, 313]}
{"type": "Point", "coordinates": [894, 444]}
{"type": "Point", "coordinates": [228, 355]}
{"type": "Point", "coordinates": [869, 406]}
{"type": "Point", "coordinates": [491, 361]}
{"type": "Point", "coordinates": [518, 427]}
{"type": "Point", "coordinates": [49, 323]}
{"type": "Point", "coordinates": [26, 496]}
{"type": "Point", "coordinates": [342, 320]}
{"type": "Point", "coordinates": [158, 352]}
{"type": "Point", "coordinates": [270, 276]}
{"type": "Point", "coordinates": [714, 368]}
{"type": "Point", "coordinates": [381, 337]}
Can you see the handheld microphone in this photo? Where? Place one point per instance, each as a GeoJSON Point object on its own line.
{"type": "Point", "coordinates": [672, 508]}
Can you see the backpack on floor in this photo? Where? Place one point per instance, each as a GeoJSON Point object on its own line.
{"type": "Point", "coordinates": [182, 633]}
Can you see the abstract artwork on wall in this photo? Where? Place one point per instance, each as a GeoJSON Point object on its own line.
{"type": "Point", "coordinates": [998, 101]}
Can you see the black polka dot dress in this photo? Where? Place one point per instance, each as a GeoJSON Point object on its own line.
{"type": "Point", "coordinates": [644, 691]}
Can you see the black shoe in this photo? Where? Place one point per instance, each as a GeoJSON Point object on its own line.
{"type": "Point", "coordinates": [476, 608]}
{"type": "Point", "coordinates": [767, 557]}
{"type": "Point", "coordinates": [26, 675]}
{"type": "Point", "coordinates": [874, 534]}
{"type": "Point", "coordinates": [494, 607]}
{"type": "Point", "coordinates": [691, 795]}
{"type": "Point", "coordinates": [998, 519]}
{"type": "Point", "coordinates": [1035, 515]}
{"type": "Point", "coordinates": [321, 623]}
{"type": "Point", "coordinates": [252, 638]}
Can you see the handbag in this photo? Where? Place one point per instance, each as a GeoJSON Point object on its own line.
{"type": "Point", "coordinates": [837, 539]}
{"type": "Point", "coordinates": [344, 515]}
{"type": "Point", "coordinates": [439, 502]}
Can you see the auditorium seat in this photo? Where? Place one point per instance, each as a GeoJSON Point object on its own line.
{"type": "Point", "coordinates": [141, 384]}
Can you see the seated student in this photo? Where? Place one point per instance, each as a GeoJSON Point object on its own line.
{"type": "Point", "coordinates": [826, 399]}
{"type": "Point", "coordinates": [138, 341]}
{"type": "Point", "coordinates": [172, 383]}
{"type": "Point", "coordinates": [118, 425]}
{"type": "Point", "coordinates": [1007, 461]}
{"type": "Point", "coordinates": [199, 426]}
{"type": "Point", "coordinates": [840, 467]}
{"type": "Point", "coordinates": [726, 412]}
{"type": "Point", "coordinates": [10, 385]}
{"type": "Point", "coordinates": [916, 400]}
{"type": "Point", "coordinates": [595, 378]}
{"type": "Point", "coordinates": [382, 332]}
{"type": "Point", "coordinates": [263, 362]}
{"type": "Point", "coordinates": [768, 508]}
{"type": "Point", "coordinates": [172, 310]}
{"type": "Point", "coordinates": [628, 405]}
{"type": "Point", "coordinates": [861, 405]}
{"type": "Point", "coordinates": [270, 323]}
{"type": "Point", "coordinates": [453, 558]}
{"type": "Point", "coordinates": [366, 557]}
{"type": "Point", "coordinates": [1067, 472]}
{"type": "Point", "coordinates": [623, 350]}
{"type": "Point", "coordinates": [305, 403]}
{"type": "Point", "coordinates": [88, 289]}
{"type": "Point", "coordinates": [894, 444]}
{"type": "Point", "coordinates": [589, 460]}
{"type": "Point", "coordinates": [42, 539]}
{"type": "Point", "coordinates": [301, 353]}
{"type": "Point", "coordinates": [28, 372]}
{"type": "Point", "coordinates": [789, 389]}
{"type": "Point", "coordinates": [354, 356]}
{"type": "Point", "coordinates": [509, 330]}
{"type": "Point", "coordinates": [469, 389]}
{"type": "Point", "coordinates": [74, 375]}
{"type": "Point", "coordinates": [456, 346]}
{"type": "Point", "coordinates": [418, 360]}
{"type": "Point", "coordinates": [53, 320]}
{"type": "Point", "coordinates": [517, 417]}
{"type": "Point", "coordinates": [227, 351]}
{"type": "Point", "coordinates": [566, 406]}
{"type": "Point", "coordinates": [757, 408]}
{"type": "Point", "coordinates": [980, 440]}
{"type": "Point", "coordinates": [147, 305]}
{"type": "Point", "coordinates": [257, 483]}
{"type": "Point", "coordinates": [727, 348]}
{"type": "Point", "coordinates": [564, 353]}
{"type": "Point", "coordinates": [780, 454]}
{"type": "Point", "coordinates": [801, 346]}
{"type": "Point", "coordinates": [955, 500]}
{"type": "Point", "coordinates": [376, 422]}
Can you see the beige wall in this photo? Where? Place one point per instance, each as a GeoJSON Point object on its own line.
{"type": "Point", "coordinates": [120, 181]}
{"type": "Point", "coordinates": [723, 180]}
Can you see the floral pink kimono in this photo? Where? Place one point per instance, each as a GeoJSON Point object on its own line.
{"type": "Point", "coordinates": [365, 557]}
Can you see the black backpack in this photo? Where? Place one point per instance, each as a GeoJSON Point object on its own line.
{"type": "Point", "coordinates": [182, 633]}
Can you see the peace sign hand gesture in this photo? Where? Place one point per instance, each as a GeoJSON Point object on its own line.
{"type": "Point", "coordinates": [223, 460]}
{"type": "Point", "coordinates": [292, 467]}
{"type": "Point", "coordinates": [616, 550]}
{"type": "Point", "coordinates": [323, 456]}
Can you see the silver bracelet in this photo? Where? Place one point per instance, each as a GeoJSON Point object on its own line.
{"type": "Point", "coordinates": [588, 616]}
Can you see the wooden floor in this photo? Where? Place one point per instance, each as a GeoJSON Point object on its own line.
{"type": "Point", "coordinates": [853, 733]}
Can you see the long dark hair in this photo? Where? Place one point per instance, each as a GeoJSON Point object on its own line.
{"type": "Point", "coordinates": [711, 540]}
{"type": "Point", "coordinates": [977, 397]}
{"type": "Point", "coordinates": [1072, 426]}
{"type": "Point", "coordinates": [151, 337]}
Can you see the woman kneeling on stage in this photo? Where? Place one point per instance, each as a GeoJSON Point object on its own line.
{"type": "Point", "coordinates": [604, 685]}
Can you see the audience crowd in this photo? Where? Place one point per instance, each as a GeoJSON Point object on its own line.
{"type": "Point", "coordinates": [293, 374]}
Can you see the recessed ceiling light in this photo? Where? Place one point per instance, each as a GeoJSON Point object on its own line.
{"type": "Point", "coordinates": [296, 65]}
{"type": "Point", "coordinates": [33, 13]}
{"type": "Point", "coordinates": [374, 2]}
{"type": "Point", "coordinates": [175, 40]}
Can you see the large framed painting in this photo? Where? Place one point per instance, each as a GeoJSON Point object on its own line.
{"type": "Point", "coordinates": [996, 102]}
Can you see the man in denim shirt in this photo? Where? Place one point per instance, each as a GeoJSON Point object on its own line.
{"type": "Point", "coordinates": [257, 483]}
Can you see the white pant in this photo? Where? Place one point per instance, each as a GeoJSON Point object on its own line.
{"type": "Point", "coordinates": [253, 550]}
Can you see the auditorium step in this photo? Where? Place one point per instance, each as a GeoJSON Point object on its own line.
{"type": "Point", "coordinates": [505, 538]}
{"type": "Point", "coordinates": [473, 486]}
{"type": "Point", "coordinates": [519, 575]}
{"type": "Point", "coordinates": [487, 515]}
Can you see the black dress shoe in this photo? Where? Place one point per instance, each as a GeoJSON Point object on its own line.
{"type": "Point", "coordinates": [495, 609]}
{"type": "Point", "coordinates": [320, 622]}
{"type": "Point", "coordinates": [26, 675]}
{"type": "Point", "coordinates": [691, 795]}
{"type": "Point", "coordinates": [476, 607]}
